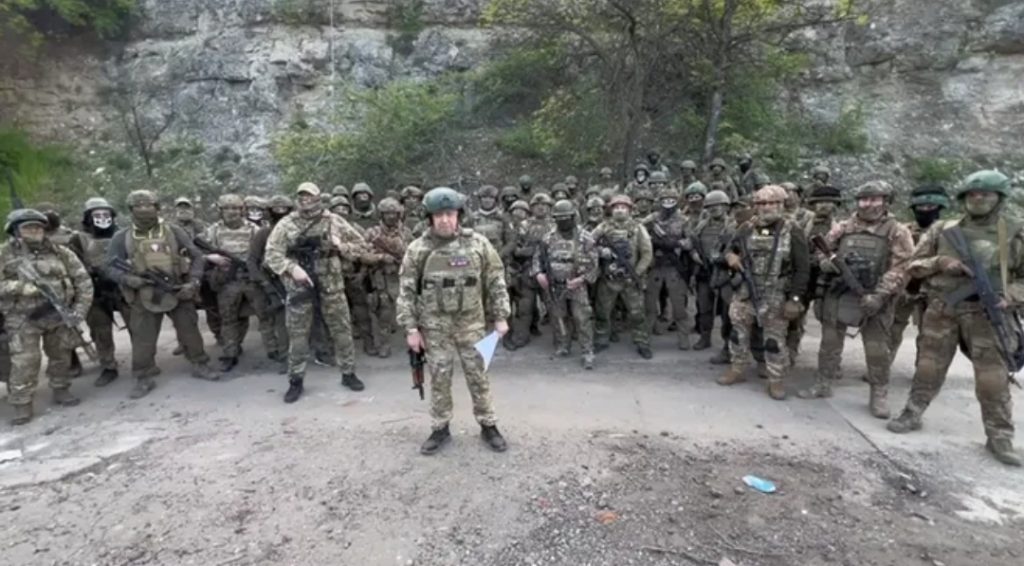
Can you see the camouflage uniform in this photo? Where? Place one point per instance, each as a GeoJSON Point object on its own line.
{"type": "Point", "coordinates": [801, 217]}
{"type": "Point", "coordinates": [357, 292]}
{"type": "Point", "coordinates": [389, 241]}
{"type": "Point", "coordinates": [450, 287]}
{"type": "Point", "coordinates": [693, 210]}
{"type": "Point", "coordinates": [568, 254]}
{"type": "Point", "coordinates": [687, 175]}
{"type": "Point", "coordinates": [884, 246]}
{"type": "Point", "coordinates": [185, 219]}
{"type": "Point", "coordinates": [672, 264]}
{"type": "Point", "coordinates": [527, 315]}
{"type": "Point", "coordinates": [30, 320]}
{"type": "Point", "coordinates": [364, 212]}
{"type": "Point", "coordinates": [617, 281]}
{"type": "Point", "coordinates": [315, 236]}
{"type": "Point", "coordinates": [711, 237]}
{"type": "Point", "coordinates": [494, 224]}
{"type": "Point", "coordinates": [412, 200]}
{"type": "Point", "coordinates": [276, 341]}
{"type": "Point", "coordinates": [151, 245]}
{"type": "Point", "coordinates": [778, 270]}
{"type": "Point", "coordinates": [946, 326]}
{"type": "Point", "coordinates": [717, 173]}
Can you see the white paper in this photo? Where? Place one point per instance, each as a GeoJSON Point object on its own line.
{"type": "Point", "coordinates": [487, 346]}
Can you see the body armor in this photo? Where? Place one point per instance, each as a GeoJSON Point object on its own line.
{"type": "Point", "coordinates": [450, 282]}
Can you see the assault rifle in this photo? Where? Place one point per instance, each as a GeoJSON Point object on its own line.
{"type": "Point", "coordinates": [161, 282]}
{"type": "Point", "coordinates": [273, 290]}
{"type": "Point", "coordinates": [622, 256]}
{"type": "Point", "coordinates": [748, 280]}
{"type": "Point", "coordinates": [417, 360]}
{"type": "Point", "coordinates": [1008, 342]}
{"type": "Point", "coordinates": [68, 317]}
{"type": "Point", "coordinates": [557, 288]}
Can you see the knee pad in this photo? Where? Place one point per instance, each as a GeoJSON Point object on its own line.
{"type": "Point", "coordinates": [771, 346]}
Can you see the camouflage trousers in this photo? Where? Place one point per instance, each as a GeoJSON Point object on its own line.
{"type": "Point", "coordinates": [773, 334]}
{"type": "Point", "coordinates": [942, 333]}
{"type": "Point", "coordinates": [144, 327]}
{"type": "Point", "coordinates": [874, 332]}
{"type": "Point", "coordinates": [667, 279]}
{"type": "Point", "coordinates": [101, 330]}
{"type": "Point", "coordinates": [527, 311]}
{"type": "Point", "coordinates": [278, 332]}
{"type": "Point", "coordinates": [208, 302]}
{"type": "Point", "coordinates": [382, 314]}
{"type": "Point", "coordinates": [358, 303]}
{"type": "Point", "coordinates": [5, 358]}
{"type": "Point", "coordinates": [712, 302]}
{"type": "Point", "coordinates": [300, 318]}
{"type": "Point", "coordinates": [235, 301]}
{"type": "Point", "coordinates": [25, 339]}
{"type": "Point", "coordinates": [608, 291]}
{"type": "Point", "coordinates": [443, 347]}
{"type": "Point", "coordinates": [569, 311]}
{"type": "Point", "coordinates": [795, 330]}
{"type": "Point", "coordinates": [907, 308]}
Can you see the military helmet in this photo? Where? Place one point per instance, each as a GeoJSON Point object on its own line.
{"type": "Point", "coordinates": [45, 206]}
{"type": "Point", "coordinates": [519, 205]}
{"type": "Point", "coordinates": [509, 191]}
{"type": "Point", "coordinates": [620, 199]}
{"type": "Point", "coordinates": [932, 194]}
{"type": "Point", "coordinates": [595, 202]}
{"type": "Point", "coordinates": [253, 201]}
{"type": "Point", "coordinates": [717, 162]}
{"type": "Point", "coordinates": [716, 198]}
{"type": "Point", "coordinates": [606, 172]}
{"type": "Point", "coordinates": [825, 193]}
{"type": "Point", "coordinates": [442, 198]}
{"type": "Point", "coordinates": [820, 170]}
{"type": "Point", "coordinates": [541, 198]}
{"type": "Point", "coordinates": [688, 164]}
{"type": "Point", "coordinates": [761, 178]}
{"type": "Point", "coordinates": [643, 193]}
{"type": "Point", "coordinates": [489, 191]}
{"type": "Point", "coordinates": [696, 188]}
{"type": "Point", "coordinates": [230, 200]}
{"type": "Point", "coordinates": [183, 201]}
{"type": "Point", "coordinates": [135, 198]}
{"type": "Point", "coordinates": [989, 181]}
{"type": "Point", "coordinates": [339, 190]}
{"type": "Point", "coordinates": [411, 191]}
{"type": "Point", "coordinates": [280, 201]}
{"type": "Point", "coordinates": [390, 205]}
{"type": "Point", "coordinates": [641, 166]}
{"type": "Point", "coordinates": [559, 188]}
{"type": "Point", "coordinates": [770, 194]}
{"type": "Point", "coordinates": [24, 216]}
{"type": "Point", "coordinates": [361, 188]}
{"type": "Point", "coordinates": [572, 181]}
{"type": "Point", "coordinates": [592, 190]}
{"type": "Point", "coordinates": [563, 208]}
{"type": "Point", "coordinates": [340, 200]}
{"type": "Point", "coordinates": [96, 203]}
{"type": "Point", "coordinates": [308, 188]}
{"type": "Point", "coordinates": [525, 181]}
{"type": "Point", "coordinates": [745, 158]}
{"type": "Point", "coordinates": [873, 189]}
{"type": "Point", "coordinates": [658, 177]}
{"type": "Point", "coordinates": [792, 187]}
{"type": "Point", "coordinates": [668, 192]}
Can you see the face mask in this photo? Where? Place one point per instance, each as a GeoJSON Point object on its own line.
{"type": "Point", "coordinates": [640, 177]}
{"type": "Point", "coordinates": [541, 211]}
{"type": "Point", "coordinates": [926, 218]}
{"type": "Point", "coordinates": [102, 222]}
{"type": "Point", "coordinates": [255, 215]}
{"type": "Point", "coordinates": [185, 214]}
{"type": "Point", "coordinates": [717, 212]}
{"type": "Point", "coordinates": [744, 167]}
{"type": "Point", "coordinates": [595, 215]}
{"type": "Point", "coordinates": [232, 216]}
{"type": "Point", "coordinates": [871, 213]}
{"type": "Point", "coordinates": [565, 225]}
{"type": "Point", "coordinates": [390, 219]}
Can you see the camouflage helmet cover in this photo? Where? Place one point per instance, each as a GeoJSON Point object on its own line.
{"type": "Point", "coordinates": [989, 181]}
{"type": "Point", "coordinates": [230, 200]}
{"type": "Point", "coordinates": [509, 191]}
{"type": "Point", "coordinates": [489, 191]}
{"type": "Point", "coordinates": [563, 208]}
{"type": "Point", "coordinates": [390, 205]}
{"type": "Point", "coordinates": [770, 194]}
{"type": "Point", "coordinates": [135, 198]}
{"type": "Point", "coordinates": [541, 198]}
{"type": "Point", "coordinates": [595, 202]}
{"type": "Point", "coordinates": [280, 201]}
{"type": "Point", "coordinates": [696, 188]}
{"type": "Point", "coordinates": [658, 177]}
{"type": "Point", "coordinates": [874, 189]}
{"type": "Point", "coordinates": [520, 205]}
{"type": "Point", "coordinates": [96, 203]}
{"type": "Point", "coordinates": [22, 216]}
{"type": "Point", "coordinates": [411, 191]}
{"type": "Point", "coordinates": [620, 199]}
{"type": "Point", "coordinates": [340, 200]}
{"type": "Point", "coordinates": [339, 190]}
{"type": "Point", "coordinates": [361, 188]}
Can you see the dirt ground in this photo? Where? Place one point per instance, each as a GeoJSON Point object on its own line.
{"type": "Point", "coordinates": [637, 462]}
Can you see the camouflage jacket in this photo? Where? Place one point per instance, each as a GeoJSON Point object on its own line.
{"type": "Point", "coordinates": [640, 248]}
{"type": "Point", "coordinates": [335, 237]}
{"type": "Point", "coordinates": [567, 257]}
{"type": "Point", "coordinates": [57, 266]}
{"type": "Point", "coordinates": [900, 248]}
{"type": "Point", "coordinates": [388, 243]}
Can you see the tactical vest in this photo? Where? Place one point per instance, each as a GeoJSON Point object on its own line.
{"type": "Point", "coordinates": [562, 253]}
{"type": "Point", "coordinates": [818, 227]}
{"type": "Point", "coordinates": [155, 249]}
{"type": "Point", "coordinates": [984, 242]}
{"type": "Point", "coordinates": [53, 271]}
{"type": "Point", "coordinates": [365, 219]}
{"type": "Point", "coordinates": [710, 237]}
{"type": "Point", "coordinates": [769, 260]}
{"type": "Point", "coordinates": [672, 229]}
{"type": "Point", "coordinates": [867, 254]}
{"type": "Point", "coordinates": [614, 233]}
{"type": "Point", "coordinates": [61, 236]}
{"type": "Point", "coordinates": [94, 250]}
{"type": "Point", "coordinates": [450, 278]}
{"type": "Point", "coordinates": [237, 241]}
{"type": "Point", "coordinates": [491, 226]}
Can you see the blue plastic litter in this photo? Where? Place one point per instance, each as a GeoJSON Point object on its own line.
{"type": "Point", "coordinates": [760, 484]}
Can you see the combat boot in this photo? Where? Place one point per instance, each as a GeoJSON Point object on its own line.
{"type": "Point", "coordinates": [76, 365]}
{"type": "Point", "coordinates": [205, 372]}
{"type": "Point", "coordinates": [731, 377]}
{"type": "Point", "coordinates": [562, 352]}
{"type": "Point", "coordinates": [509, 343]}
{"type": "Point", "coordinates": [352, 382]}
{"type": "Point", "coordinates": [493, 438]}
{"type": "Point", "coordinates": [645, 352]}
{"type": "Point", "coordinates": [906, 422]}
{"type": "Point", "coordinates": [588, 361]}
{"type": "Point", "coordinates": [684, 341]}
{"type": "Point", "coordinates": [226, 364]}
{"type": "Point", "coordinates": [762, 370]}
{"type": "Point", "coordinates": [722, 357]}
{"type": "Point", "coordinates": [178, 350]}
{"type": "Point", "coordinates": [879, 404]}
{"type": "Point", "coordinates": [143, 385]}
{"type": "Point", "coordinates": [294, 389]}
{"type": "Point", "coordinates": [776, 389]}
{"type": "Point", "coordinates": [822, 389]}
{"type": "Point", "coordinates": [64, 398]}
{"type": "Point", "coordinates": [106, 377]}
{"type": "Point", "coordinates": [435, 441]}
{"type": "Point", "coordinates": [1002, 449]}
{"type": "Point", "coordinates": [22, 414]}
{"type": "Point", "coordinates": [704, 343]}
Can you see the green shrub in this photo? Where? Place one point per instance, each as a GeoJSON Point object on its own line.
{"type": "Point", "coordinates": [301, 12]}
{"type": "Point", "coordinates": [847, 135]}
{"type": "Point", "coordinates": [37, 19]}
{"type": "Point", "coordinates": [36, 171]}
{"type": "Point", "coordinates": [405, 18]}
{"type": "Point", "coordinates": [518, 82]}
{"type": "Point", "coordinates": [934, 170]}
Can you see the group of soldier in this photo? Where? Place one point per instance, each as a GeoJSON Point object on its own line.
{"type": "Point", "coordinates": [325, 270]}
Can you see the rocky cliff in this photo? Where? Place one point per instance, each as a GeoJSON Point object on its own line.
{"type": "Point", "coordinates": [932, 77]}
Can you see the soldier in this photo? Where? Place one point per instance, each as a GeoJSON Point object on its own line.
{"type": "Point", "coordinates": [694, 196]}
{"type": "Point", "coordinates": [654, 163]}
{"type": "Point", "coordinates": [717, 173]}
{"type": "Point", "coordinates": [688, 174]}
{"type": "Point", "coordinates": [748, 175]}
{"type": "Point", "coordinates": [509, 195]}
{"type": "Point", "coordinates": [517, 265]}
{"type": "Point", "coordinates": [625, 249]}
{"type": "Point", "coordinates": [711, 237]}
{"type": "Point", "coordinates": [526, 187]}
{"type": "Point", "coordinates": [564, 265]}
{"type": "Point", "coordinates": [30, 318]}
{"type": "Point", "coordinates": [534, 229]}
{"type": "Point", "coordinates": [643, 202]}
{"type": "Point", "coordinates": [871, 252]}
{"type": "Point", "coordinates": [357, 292]}
{"type": "Point", "coordinates": [255, 210]}
{"type": "Point", "coordinates": [159, 269]}
{"type": "Point", "coordinates": [305, 250]}
{"type": "Point", "coordinates": [238, 295]}
{"type": "Point", "coordinates": [595, 213]}
{"type": "Point", "coordinates": [342, 206]}
{"type": "Point", "coordinates": [185, 218]}
{"type": "Point", "coordinates": [364, 212]}
{"type": "Point", "coordinates": [560, 191]}
{"type": "Point", "coordinates": [673, 261]}
{"type": "Point", "coordinates": [824, 203]}
{"type": "Point", "coordinates": [641, 174]}
{"type": "Point", "coordinates": [801, 217]}
{"type": "Point", "coordinates": [276, 338]}
{"type": "Point", "coordinates": [340, 191]}
{"type": "Point", "coordinates": [926, 203]}
{"type": "Point", "coordinates": [770, 254]}
{"type": "Point", "coordinates": [90, 245]}
{"type": "Point", "coordinates": [794, 204]}
{"type": "Point", "coordinates": [573, 184]}
{"type": "Point", "coordinates": [388, 239]}
{"type": "Point", "coordinates": [606, 181]}
{"type": "Point", "coordinates": [490, 222]}
{"type": "Point", "coordinates": [997, 243]}
{"type": "Point", "coordinates": [820, 176]}
{"type": "Point", "coordinates": [448, 325]}
{"type": "Point", "coordinates": [412, 201]}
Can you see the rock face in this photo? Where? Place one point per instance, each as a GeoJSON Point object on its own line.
{"type": "Point", "coordinates": [937, 77]}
